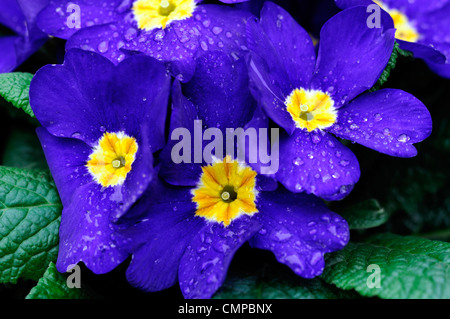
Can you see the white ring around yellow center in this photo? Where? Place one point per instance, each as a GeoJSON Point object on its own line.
{"type": "Point", "coordinates": [111, 159]}
{"type": "Point", "coordinates": [226, 190]}
{"type": "Point", "coordinates": [156, 14]}
{"type": "Point", "coordinates": [311, 109]}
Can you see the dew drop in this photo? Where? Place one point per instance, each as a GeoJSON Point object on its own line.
{"type": "Point", "coordinates": [316, 257]}
{"type": "Point", "coordinates": [403, 138]}
{"type": "Point", "coordinates": [103, 46]}
{"type": "Point", "coordinates": [130, 34]}
{"type": "Point", "coordinates": [315, 139]}
{"type": "Point", "coordinates": [344, 163]}
{"type": "Point", "coordinates": [297, 161]}
{"type": "Point", "coordinates": [282, 235]}
{"type": "Point", "coordinates": [217, 30]}
{"type": "Point", "coordinates": [160, 35]}
{"type": "Point", "coordinates": [378, 117]}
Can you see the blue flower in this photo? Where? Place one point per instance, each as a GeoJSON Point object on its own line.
{"type": "Point", "coordinates": [423, 27]}
{"type": "Point", "coordinates": [100, 125]}
{"type": "Point", "coordinates": [188, 225]}
{"type": "Point", "coordinates": [25, 38]}
{"type": "Point", "coordinates": [171, 31]}
{"type": "Point", "coordinates": [313, 98]}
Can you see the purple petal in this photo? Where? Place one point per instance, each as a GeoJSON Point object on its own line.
{"type": "Point", "coordinates": [66, 159]}
{"type": "Point", "coordinates": [299, 229]}
{"type": "Point", "coordinates": [137, 179]}
{"type": "Point", "coordinates": [30, 10]}
{"type": "Point", "coordinates": [423, 51]}
{"type": "Point", "coordinates": [282, 58]}
{"type": "Point", "coordinates": [435, 25]}
{"type": "Point", "coordinates": [85, 231]}
{"type": "Point", "coordinates": [205, 263]}
{"type": "Point", "coordinates": [352, 56]}
{"type": "Point", "coordinates": [442, 69]}
{"type": "Point", "coordinates": [158, 241]}
{"type": "Point", "coordinates": [379, 121]}
{"type": "Point", "coordinates": [99, 97]}
{"type": "Point", "coordinates": [318, 164]}
{"type": "Point", "coordinates": [291, 42]}
{"type": "Point", "coordinates": [183, 115]}
{"type": "Point", "coordinates": [26, 47]}
{"type": "Point", "coordinates": [8, 60]}
{"type": "Point", "coordinates": [212, 27]}
{"type": "Point", "coordinates": [411, 8]}
{"type": "Point", "coordinates": [219, 91]}
{"type": "Point", "coordinates": [54, 18]}
{"type": "Point", "coordinates": [415, 8]}
{"type": "Point", "coordinates": [11, 15]}
{"type": "Point", "coordinates": [104, 39]}
{"type": "Point", "coordinates": [254, 150]}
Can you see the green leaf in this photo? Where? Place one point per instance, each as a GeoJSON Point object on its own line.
{"type": "Point", "coordinates": [278, 285]}
{"type": "Point", "coordinates": [411, 267]}
{"type": "Point", "coordinates": [363, 215]}
{"type": "Point", "coordinates": [30, 213]}
{"type": "Point", "coordinates": [389, 67]}
{"type": "Point", "coordinates": [23, 150]}
{"type": "Point", "coordinates": [14, 88]}
{"type": "Point", "coordinates": [53, 285]}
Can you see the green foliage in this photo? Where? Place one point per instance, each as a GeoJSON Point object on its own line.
{"type": "Point", "coordinates": [30, 212]}
{"type": "Point", "coordinates": [411, 267]}
{"type": "Point", "coordinates": [14, 88]}
{"type": "Point", "coordinates": [388, 69]}
{"type": "Point", "coordinates": [23, 150]}
{"type": "Point", "coordinates": [272, 284]}
{"type": "Point", "coordinates": [53, 285]}
{"type": "Point", "coordinates": [365, 214]}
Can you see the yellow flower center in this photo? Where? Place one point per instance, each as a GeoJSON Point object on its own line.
{"type": "Point", "coordinates": [111, 159]}
{"type": "Point", "coordinates": [405, 30]}
{"type": "Point", "coordinates": [155, 14]}
{"type": "Point", "coordinates": [226, 191]}
{"type": "Point", "coordinates": [311, 109]}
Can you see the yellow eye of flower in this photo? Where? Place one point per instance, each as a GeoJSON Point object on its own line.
{"type": "Point", "coordinates": [155, 14]}
{"type": "Point", "coordinates": [311, 109]}
{"type": "Point", "coordinates": [111, 160]}
{"type": "Point", "coordinates": [226, 191]}
{"type": "Point", "coordinates": [405, 30]}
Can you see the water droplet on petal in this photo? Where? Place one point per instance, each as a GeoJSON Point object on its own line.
{"type": "Point", "coordinates": [282, 235]}
{"type": "Point", "coordinates": [297, 161]}
{"type": "Point", "coordinates": [403, 138]}
{"type": "Point", "coordinates": [378, 117]}
{"type": "Point", "coordinates": [315, 138]}
{"type": "Point", "coordinates": [159, 36]}
{"type": "Point", "coordinates": [217, 30]}
{"type": "Point", "coordinates": [344, 163]}
{"type": "Point", "coordinates": [316, 257]}
{"type": "Point", "coordinates": [103, 46]}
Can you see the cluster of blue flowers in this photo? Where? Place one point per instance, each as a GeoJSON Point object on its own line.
{"type": "Point", "coordinates": [136, 71]}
